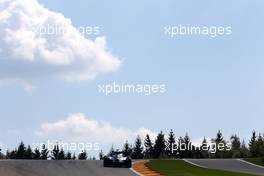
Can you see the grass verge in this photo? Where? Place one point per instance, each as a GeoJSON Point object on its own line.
{"type": "Point", "coordinates": [257, 161]}
{"type": "Point", "coordinates": [181, 168]}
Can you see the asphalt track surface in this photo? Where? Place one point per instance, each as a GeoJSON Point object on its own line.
{"type": "Point", "coordinates": [228, 165]}
{"type": "Point", "coordinates": [59, 168]}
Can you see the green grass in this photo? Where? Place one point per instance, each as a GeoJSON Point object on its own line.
{"type": "Point", "coordinates": [258, 161]}
{"type": "Point", "coordinates": [181, 168]}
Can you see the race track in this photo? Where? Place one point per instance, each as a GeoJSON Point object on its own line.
{"type": "Point", "coordinates": [59, 168]}
{"type": "Point", "coordinates": [228, 165]}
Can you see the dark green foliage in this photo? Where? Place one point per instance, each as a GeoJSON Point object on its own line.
{"type": "Point", "coordinates": [171, 143]}
{"type": "Point", "coordinates": [260, 146]}
{"type": "Point", "coordinates": [1, 154]}
{"type": "Point", "coordinates": [204, 152]}
{"type": "Point", "coordinates": [21, 151]}
{"type": "Point", "coordinates": [82, 155]}
{"type": "Point", "coordinates": [62, 155]}
{"type": "Point", "coordinates": [101, 155]}
{"type": "Point", "coordinates": [137, 152]}
{"type": "Point", "coordinates": [44, 153]}
{"type": "Point", "coordinates": [252, 145]}
{"type": "Point", "coordinates": [149, 150]}
{"type": "Point", "coordinates": [68, 156]}
{"type": "Point", "coordinates": [188, 152]}
{"type": "Point", "coordinates": [55, 152]}
{"type": "Point", "coordinates": [159, 146]}
{"type": "Point", "coordinates": [36, 154]}
{"type": "Point", "coordinates": [28, 153]}
{"type": "Point", "coordinates": [219, 139]}
{"type": "Point", "coordinates": [127, 149]}
{"type": "Point", "coordinates": [73, 156]}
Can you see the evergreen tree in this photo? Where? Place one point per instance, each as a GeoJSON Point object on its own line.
{"type": "Point", "coordinates": [219, 140]}
{"type": "Point", "coordinates": [101, 155]}
{"type": "Point", "coordinates": [171, 143]}
{"type": "Point", "coordinates": [181, 144]}
{"type": "Point", "coordinates": [1, 154]}
{"type": "Point", "coordinates": [236, 147]}
{"type": "Point", "coordinates": [73, 156]}
{"type": "Point", "coordinates": [82, 155]}
{"type": "Point", "coordinates": [111, 149]}
{"type": "Point", "coordinates": [244, 150]}
{"type": "Point", "coordinates": [148, 147]}
{"type": "Point", "coordinates": [137, 149]}
{"type": "Point", "coordinates": [28, 153]}
{"type": "Point", "coordinates": [127, 149]}
{"type": "Point", "coordinates": [61, 155]}
{"type": "Point", "coordinates": [21, 151]}
{"type": "Point", "coordinates": [12, 154]}
{"type": "Point", "coordinates": [44, 153]}
{"type": "Point", "coordinates": [188, 146]}
{"type": "Point", "coordinates": [252, 145]}
{"type": "Point", "coordinates": [36, 154]}
{"type": "Point", "coordinates": [204, 149]}
{"type": "Point", "coordinates": [260, 146]}
{"type": "Point", "coordinates": [68, 155]}
{"type": "Point", "coordinates": [159, 147]}
{"type": "Point", "coordinates": [55, 152]}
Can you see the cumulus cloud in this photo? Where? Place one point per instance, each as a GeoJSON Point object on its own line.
{"type": "Point", "coordinates": [78, 128]}
{"type": "Point", "coordinates": [25, 54]}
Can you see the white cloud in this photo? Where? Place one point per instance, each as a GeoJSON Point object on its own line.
{"type": "Point", "coordinates": [25, 54]}
{"type": "Point", "coordinates": [78, 128]}
{"type": "Point", "coordinates": [16, 82]}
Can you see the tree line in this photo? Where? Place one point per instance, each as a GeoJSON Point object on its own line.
{"type": "Point", "coordinates": [57, 153]}
{"type": "Point", "coordinates": [161, 147]}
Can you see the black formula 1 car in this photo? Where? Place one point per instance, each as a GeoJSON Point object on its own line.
{"type": "Point", "coordinates": [117, 159]}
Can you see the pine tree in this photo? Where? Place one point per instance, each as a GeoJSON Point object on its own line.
{"type": "Point", "coordinates": [82, 155]}
{"type": "Point", "coordinates": [44, 153]}
{"type": "Point", "coordinates": [21, 151]}
{"type": "Point", "coordinates": [181, 144]}
{"type": "Point", "coordinates": [252, 145]}
{"type": "Point", "coordinates": [1, 155]}
{"type": "Point", "coordinates": [219, 140]}
{"type": "Point", "coordinates": [236, 147]}
{"type": "Point", "coordinates": [244, 150]}
{"type": "Point", "coordinates": [204, 149]}
{"type": "Point", "coordinates": [171, 142]}
{"type": "Point", "coordinates": [61, 155]}
{"type": "Point", "coordinates": [188, 144]}
{"type": "Point", "coordinates": [148, 147]}
{"type": "Point", "coordinates": [127, 149]}
{"type": "Point", "coordinates": [159, 147]}
{"type": "Point", "coordinates": [55, 152]}
{"type": "Point", "coordinates": [137, 149]}
{"type": "Point", "coordinates": [260, 146]}
{"type": "Point", "coordinates": [12, 154]}
{"type": "Point", "coordinates": [73, 156]}
{"type": "Point", "coordinates": [111, 149]}
{"type": "Point", "coordinates": [101, 155]}
{"type": "Point", "coordinates": [36, 154]}
{"type": "Point", "coordinates": [28, 153]}
{"type": "Point", "coordinates": [68, 155]}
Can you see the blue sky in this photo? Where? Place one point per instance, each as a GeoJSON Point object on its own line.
{"type": "Point", "coordinates": [212, 83]}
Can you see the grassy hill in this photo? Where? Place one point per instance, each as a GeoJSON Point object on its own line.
{"type": "Point", "coordinates": [181, 168]}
